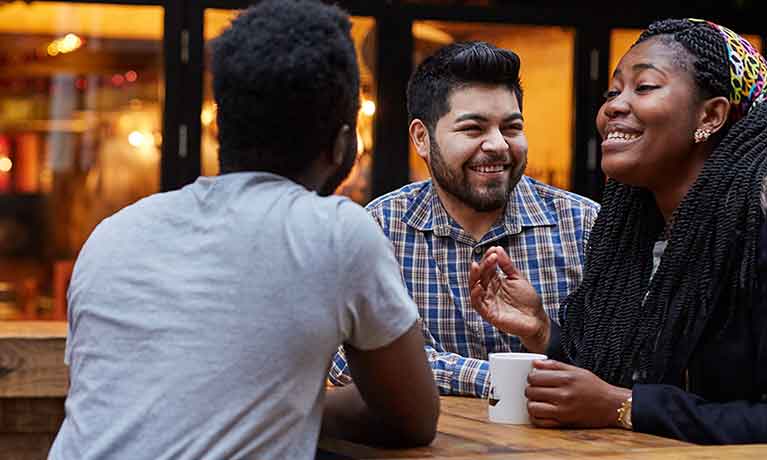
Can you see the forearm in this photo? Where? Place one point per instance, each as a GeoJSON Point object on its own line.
{"type": "Point", "coordinates": [346, 416]}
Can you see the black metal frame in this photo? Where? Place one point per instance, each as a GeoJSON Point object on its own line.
{"type": "Point", "coordinates": [184, 68]}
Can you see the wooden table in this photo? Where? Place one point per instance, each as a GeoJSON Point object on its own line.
{"type": "Point", "coordinates": [464, 433]}
{"type": "Point", "coordinates": [33, 384]}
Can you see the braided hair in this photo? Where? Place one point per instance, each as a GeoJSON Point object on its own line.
{"type": "Point", "coordinates": [629, 326]}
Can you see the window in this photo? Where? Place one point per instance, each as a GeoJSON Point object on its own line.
{"type": "Point", "coordinates": [80, 135]}
{"type": "Point", "coordinates": [546, 55]}
{"type": "Point", "coordinates": [357, 186]}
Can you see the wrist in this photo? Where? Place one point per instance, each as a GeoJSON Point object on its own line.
{"type": "Point", "coordinates": [539, 341]}
{"type": "Point", "coordinates": [621, 416]}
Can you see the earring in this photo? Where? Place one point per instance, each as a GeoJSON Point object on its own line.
{"type": "Point", "coordinates": [701, 135]}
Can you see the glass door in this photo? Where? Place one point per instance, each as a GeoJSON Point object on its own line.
{"type": "Point", "coordinates": [81, 106]}
{"type": "Point", "coordinates": [357, 186]}
{"type": "Point", "coordinates": [546, 55]}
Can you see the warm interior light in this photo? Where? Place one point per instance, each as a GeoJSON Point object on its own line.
{"type": "Point", "coordinates": [368, 108]}
{"type": "Point", "coordinates": [430, 33]}
{"type": "Point", "coordinates": [360, 144]}
{"type": "Point", "coordinates": [208, 114]}
{"type": "Point", "coordinates": [67, 44]}
{"type": "Point", "coordinates": [136, 139]}
{"type": "Point", "coordinates": [5, 164]}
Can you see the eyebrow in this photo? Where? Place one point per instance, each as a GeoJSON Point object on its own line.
{"type": "Point", "coordinates": [639, 67]}
{"type": "Point", "coordinates": [478, 117]}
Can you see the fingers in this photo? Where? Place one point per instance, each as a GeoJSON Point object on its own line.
{"type": "Point", "coordinates": [545, 422]}
{"type": "Point", "coordinates": [553, 365]}
{"type": "Point", "coordinates": [504, 262]}
{"type": "Point", "coordinates": [544, 412]}
{"type": "Point", "coordinates": [550, 395]}
{"type": "Point", "coordinates": [488, 268]}
{"type": "Point", "coordinates": [550, 379]}
{"type": "Point", "coordinates": [477, 295]}
{"type": "Point", "coordinates": [474, 275]}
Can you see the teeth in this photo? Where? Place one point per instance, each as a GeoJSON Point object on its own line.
{"type": "Point", "coordinates": [488, 169]}
{"type": "Point", "coordinates": [622, 136]}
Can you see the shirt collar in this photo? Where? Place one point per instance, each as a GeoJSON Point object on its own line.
{"type": "Point", "coordinates": [526, 208]}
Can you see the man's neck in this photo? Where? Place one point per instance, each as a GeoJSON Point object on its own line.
{"type": "Point", "coordinates": [475, 223]}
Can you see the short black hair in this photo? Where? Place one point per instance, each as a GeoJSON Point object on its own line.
{"type": "Point", "coordinates": [285, 79]}
{"type": "Point", "coordinates": [454, 66]}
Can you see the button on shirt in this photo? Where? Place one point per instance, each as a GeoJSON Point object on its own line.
{"type": "Point", "coordinates": [544, 230]}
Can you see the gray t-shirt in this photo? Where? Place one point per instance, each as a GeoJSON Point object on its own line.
{"type": "Point", "coordinates": [202, 321]}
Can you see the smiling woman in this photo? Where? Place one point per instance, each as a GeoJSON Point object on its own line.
{"type": "Point", "coordinates": [668, 330]}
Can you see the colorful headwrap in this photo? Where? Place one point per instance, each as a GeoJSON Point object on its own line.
{"type": "Point", "coordinates": [748, 72]}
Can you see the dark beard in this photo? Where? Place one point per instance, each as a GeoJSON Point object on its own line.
{"type": "Point", "coordinates": [457, 184]}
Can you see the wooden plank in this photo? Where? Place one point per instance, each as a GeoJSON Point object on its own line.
{"type": "Point", "coordinates": [31, 415]}
{"type": "Point", "coordinates": [748, 452]}
{"type": "Point", "coordinates": [25, 446]}
{"type": "Point", "coordinates": [465, 432]}
{"type": "Point", "coordinates": [468, 417]}
{"type": "Point", "coordinates": [33, 329]}
{"type": "Point", "coordinates": [444, 446]}
{"type": "Point", "coordinates": [32, 359]}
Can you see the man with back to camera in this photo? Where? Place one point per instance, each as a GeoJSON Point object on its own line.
{"type": "Point", "coordinates": [465, 107]}
{"type": "Point", "coordinates": [202, 321]}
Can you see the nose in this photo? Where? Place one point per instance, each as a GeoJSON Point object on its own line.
{"type": "Point", "coordinates": [495, 142]}
{"type": "Point", "coordinates": [615, 106]}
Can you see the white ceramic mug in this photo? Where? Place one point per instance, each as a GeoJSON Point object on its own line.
{"type": "Point", "coordinates": [508, 379]}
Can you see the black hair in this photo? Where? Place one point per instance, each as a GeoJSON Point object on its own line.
{"type": "Point", "coordinates": [285, 79]}
{"type": "Point", "coordinates": [704, 45]}
{"type": "Point", "coordinates": [456, 65]}
{"type": "Point", "coordinates": [629, 326]}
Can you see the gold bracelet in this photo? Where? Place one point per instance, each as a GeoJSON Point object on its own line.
{"type": "Point", "coordinates": [624, 415]}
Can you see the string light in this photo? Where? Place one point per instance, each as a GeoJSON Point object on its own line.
{"type": "Point", "coordinates": [208, 114]}
{"type": "Point", "coordinates": [368, 107]}
{"type": "Point", "coordinates": [139, 139]}
{"type": "Point", "coordinates": [66, 44]}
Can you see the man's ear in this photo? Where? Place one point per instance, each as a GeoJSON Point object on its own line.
{"type": "Point", "coordinates": [341, 144]}
{"type": "Point", "coordinates": [419, 134]}
{"type": "Point", "coordinates": [715, 113]}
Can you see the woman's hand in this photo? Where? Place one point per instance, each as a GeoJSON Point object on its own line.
{"type": "Point", "coordinates": [560, 395]}
{"type": "Point", "coordinates": [508, 301]}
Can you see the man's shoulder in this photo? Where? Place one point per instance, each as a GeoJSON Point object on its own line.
{"type": "Point", "coordinates": [402, 199]}
{"type": "Point", "coordinates": [562, 199]}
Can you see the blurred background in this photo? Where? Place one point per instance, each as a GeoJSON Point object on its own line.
{"type": "Point", "coordinates": [103, 103]}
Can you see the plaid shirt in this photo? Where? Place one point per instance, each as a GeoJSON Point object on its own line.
{"type": "Point", "coordinates": [544, 230]}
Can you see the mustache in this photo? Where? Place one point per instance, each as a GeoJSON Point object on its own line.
{"type": "Point", "coordinates": [490, 160]}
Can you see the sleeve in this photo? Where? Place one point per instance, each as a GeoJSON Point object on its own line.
{"type": "Point", "coordinates": [669, 411]}
{"type": "Point", "coordinates": [456, 375]}
{"type": "Point", "coordinates": [554, 350]}
{"type": "Point", "coordinates": [453, 374]}
{"type": "Point", "coordinates": [339, 374]}
{"type": "Point", "coordinates": [376, 307]}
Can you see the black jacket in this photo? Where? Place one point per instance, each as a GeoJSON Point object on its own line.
{"type": "Point", "coordinates": [722, 396]}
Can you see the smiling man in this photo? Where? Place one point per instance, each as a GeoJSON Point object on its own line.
{"type": "Point", "coordinates": [465, 106]}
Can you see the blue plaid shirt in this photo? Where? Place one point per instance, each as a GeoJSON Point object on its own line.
{"type": "Point", "coordinates": [544, 230]}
